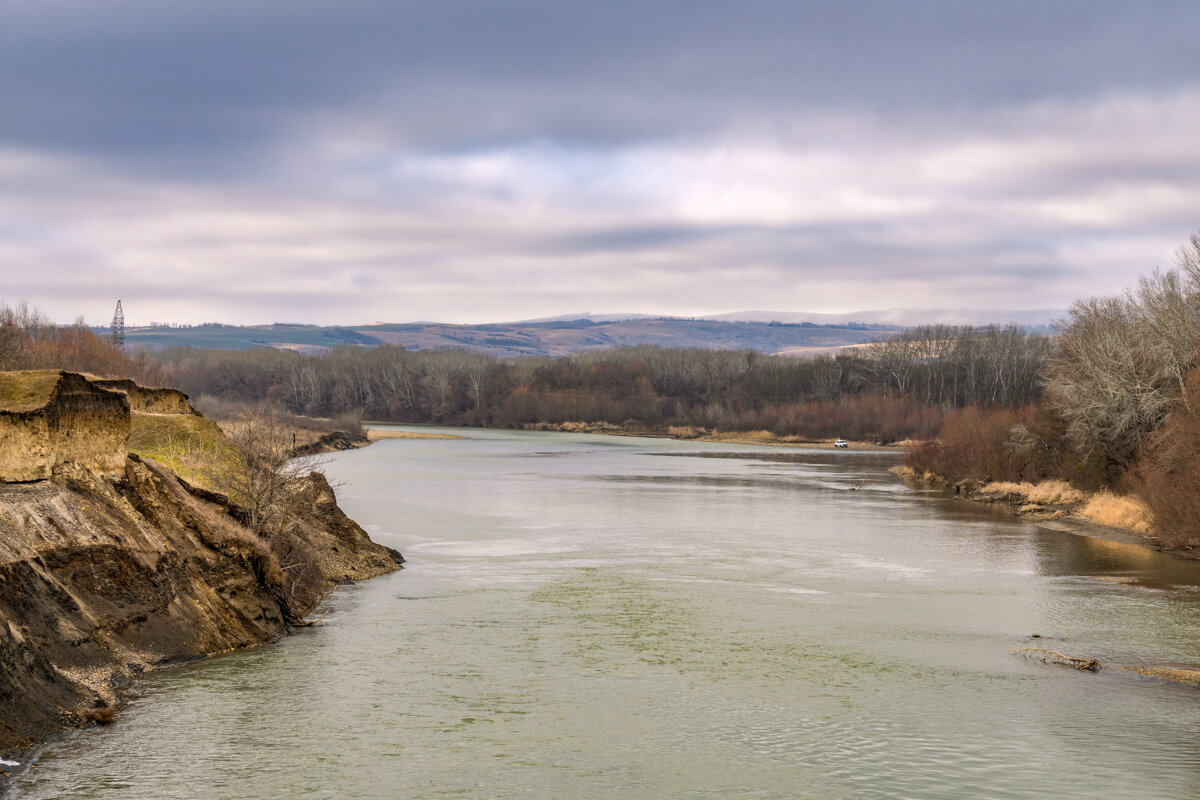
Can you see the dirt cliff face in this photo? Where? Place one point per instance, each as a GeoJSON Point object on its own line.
{"type": "Point", "coordinates": [147, 400]}
{"type": "Point", "coordinates": [48, 417]}
{"type": "Point", "coordinates": [111, 565]}
{"type": "Point", "coordinates": [102, 578]}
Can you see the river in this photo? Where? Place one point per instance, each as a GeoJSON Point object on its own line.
{"type": "Point", "coordinates": [615, 617]}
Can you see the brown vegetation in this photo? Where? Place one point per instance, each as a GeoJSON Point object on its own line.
{"type": "Point", "coordinates": [28, 340]}
{"type": "Point", "coordinates": [1052, 492]}
{"type": "Point", "coordinates": [974, 444]}
{"type": "Point", "coordinates": [1121, 368]}
{"type": "Point", "coordinates": [1120, 418]}
{"type": "Point", "coordinates": [1167, 475]}
{"type": "Point", "coordinates": [1126, 512]}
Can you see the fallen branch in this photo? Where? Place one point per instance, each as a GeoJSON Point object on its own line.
{"type": "Point", "coordinates": [305, 623]}
{"type": "Point", "coordinates": [1051, 657]}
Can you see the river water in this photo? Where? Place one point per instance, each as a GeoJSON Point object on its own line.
{"type": "Point", "coordinates": [611, 617]}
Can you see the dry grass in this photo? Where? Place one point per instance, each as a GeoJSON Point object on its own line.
{"type": "Point", "coordinates": [1059, 493]}
{"type": "Point", "coordinates": [908, 473]}
{"type": "Point", "coordinates": [1126, 512]}
{"type": "Point", "coordinates": [375, 434]}
{"type": "Point", "coordinates": [575, 427]}
{"type": "Point", "coordinates": [685, 432]}
{"type": "Point", "coordinates": [758, 436]}
{"type": "Point", "coordinates": [1055, 493]}
{"type": "Point", "coordinates": [1005, 487]}
{"type": "Point", "coordinates": [1169, 674]}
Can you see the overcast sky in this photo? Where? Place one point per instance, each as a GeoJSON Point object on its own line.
{"type": "Point", "coordinates": [361, 160]}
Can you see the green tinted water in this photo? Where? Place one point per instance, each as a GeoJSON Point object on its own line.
{"type": "Point", "coordinates": [629, 618]}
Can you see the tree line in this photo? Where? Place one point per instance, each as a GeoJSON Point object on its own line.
{"type": "Point", "coordinates": [1120, 408]}
{"type": "Point", "coordinates": [882, 392]}
{"type": "Point", "coordinates": [29, 340]}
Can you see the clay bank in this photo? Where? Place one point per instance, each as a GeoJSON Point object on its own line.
{"type": "Point", "coordinates": [110, 564]}
{"type": "Point", "coordinates": [48, 417]}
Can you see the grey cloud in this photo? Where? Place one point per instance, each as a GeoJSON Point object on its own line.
{"type": "Point", "coordinates": [479, 161]}
{"type": "Point", "coordinates": [220, 80]}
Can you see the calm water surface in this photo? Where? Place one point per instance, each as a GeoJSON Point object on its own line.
{"type": "Point", "coordinates": [590, 617]}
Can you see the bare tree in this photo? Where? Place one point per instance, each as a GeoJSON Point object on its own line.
{"type": "Point", "coordinates": [1122, 363]}
{"type": "Point", "coordinates": [259, 473]}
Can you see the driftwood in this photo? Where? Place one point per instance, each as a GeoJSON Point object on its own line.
{"type": "Point", "coordinates": [308, 623]}
{"type": "Point", "coordinates": [1051, 657]}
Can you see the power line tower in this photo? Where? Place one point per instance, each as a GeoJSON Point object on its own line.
{"type": "Point", "coordinates": [118, 327]}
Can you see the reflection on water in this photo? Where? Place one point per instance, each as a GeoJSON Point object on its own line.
{"type": "Point", "coordinates": [1075, 554]}
{"type": "Point", "coordinates": [597, 620]}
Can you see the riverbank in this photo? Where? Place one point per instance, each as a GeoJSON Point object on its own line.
{"type": "Point", "coordinates": [112, 564]}
{"type": "Point", "coordinates": [378, 434]}
{"type": "Point", "coordinates": [1091, 513]}
{"type": "Point", "coordinates": [693, 434]}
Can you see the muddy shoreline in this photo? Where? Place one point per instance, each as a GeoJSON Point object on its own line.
{"type": "Point", "coordinates": [606, 429]}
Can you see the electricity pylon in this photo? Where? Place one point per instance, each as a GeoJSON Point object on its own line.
{"type": "Point", "coordinates": [118, 326]}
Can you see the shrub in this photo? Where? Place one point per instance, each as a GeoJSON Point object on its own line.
{"type": "Point", "coordinates": [975, 444]}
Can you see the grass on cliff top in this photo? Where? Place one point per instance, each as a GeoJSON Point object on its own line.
{"type": "Point", "coordinates": [27, 390]}
{"type": "Point", "coordinates": [193, 447]}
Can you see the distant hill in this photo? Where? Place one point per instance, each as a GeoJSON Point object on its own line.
{"type": "Point", "coordinates": [545, 338]}
{"type": "Point", "coordinates": [909, 317]}
{"type": "Point", "coordinates": [789, 333]}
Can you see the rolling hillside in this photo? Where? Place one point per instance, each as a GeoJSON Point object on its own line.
{"type": "Point", "coordinates": [546, 338]}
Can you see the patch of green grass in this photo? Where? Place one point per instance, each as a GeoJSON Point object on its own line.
{"type": "Point", "coordinates": [193, 447]}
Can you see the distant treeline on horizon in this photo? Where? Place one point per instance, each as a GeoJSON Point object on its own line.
{"type": "Point", "coordinates": [885, 391]}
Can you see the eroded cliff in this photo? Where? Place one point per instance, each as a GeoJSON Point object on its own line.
{"type": "Point", "coordinates": [105, 573]}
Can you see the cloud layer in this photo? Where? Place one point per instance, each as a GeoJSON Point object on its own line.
{"type": "Point", "coordinates": [374, 160]}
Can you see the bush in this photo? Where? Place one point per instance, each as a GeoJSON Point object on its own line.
{"type": "Point", "coordinates": [976, 444]}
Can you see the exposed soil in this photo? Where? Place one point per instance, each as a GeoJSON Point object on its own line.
{"type": "Point", "coordinates": [103, 578]}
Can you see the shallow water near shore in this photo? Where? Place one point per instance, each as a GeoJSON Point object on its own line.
{"type": "Point", "coordinates": [614, 617]}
